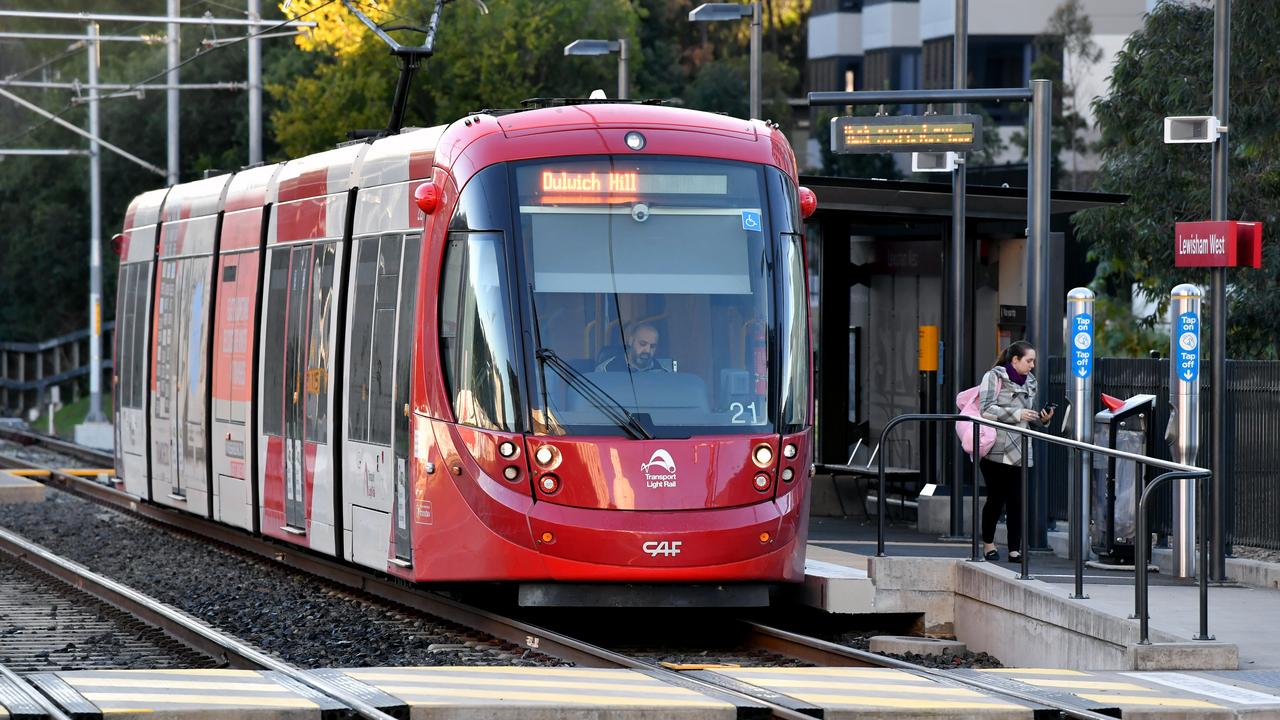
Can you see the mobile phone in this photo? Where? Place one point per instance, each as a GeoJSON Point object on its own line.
{"type": "Point", "coordinates": [1050, 408]}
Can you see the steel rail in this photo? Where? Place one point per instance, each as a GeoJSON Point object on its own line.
{"type": "Point", "coordinates": [829, 653]}
{"type": "Point", "coordinates": [515, 631]}
{"type": "Point", "coordinates": [32, 693]}
{"type": "Point", "coordinates": [99, 458]}
{"type": "Point", "coordinates": [186, 628]}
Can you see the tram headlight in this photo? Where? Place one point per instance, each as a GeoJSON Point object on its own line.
{"type": "Point", "coordinates": [511, 472]}
{"type": "Point", "coordinates": [788, 474]}
{"type": "Point", "coordinates": [507, 449]}
{"type": "Point", "coordinates": [762, 455]}
{"type": "Point", "coordinates": [789, 451]}
{"type": "Point", "coordinates": [544, 455]}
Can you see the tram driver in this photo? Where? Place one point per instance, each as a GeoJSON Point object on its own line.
{"type": "Point", "coordinates": [641, 345]}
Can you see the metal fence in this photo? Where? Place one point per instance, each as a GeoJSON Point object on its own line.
{"type": "Point", "coordinates": [29, 370]}
{"type": "Point", "coordinates": [1253, 433]}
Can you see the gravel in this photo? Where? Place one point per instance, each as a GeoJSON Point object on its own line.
{"type": "Point", "coordinates": [301, 619]}
{"type": "Point", "coordinates": [1256, 553]}
{"type": "Point", "coordinates": [943, 661]}
{"type": "Point", "coordinates": [46, 625]}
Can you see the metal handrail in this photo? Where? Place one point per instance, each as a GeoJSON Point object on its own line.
{"type": "Point", "coordinates": [1176, 470]}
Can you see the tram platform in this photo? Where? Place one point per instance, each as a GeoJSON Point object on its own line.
{"type": "Point", "coordinates": [1037, 622]}
{"type": "Point", "coordinates": [534, 693]}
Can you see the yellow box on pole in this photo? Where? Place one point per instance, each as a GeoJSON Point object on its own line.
{"type": "Point", "coordinates": [927, 352]}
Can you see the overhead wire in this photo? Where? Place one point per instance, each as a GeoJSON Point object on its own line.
{"type": "Point", "coordinates": [200, 53]}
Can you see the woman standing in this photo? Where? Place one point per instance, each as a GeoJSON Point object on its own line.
{"type": "Point", "coordinates": [1008, 396]}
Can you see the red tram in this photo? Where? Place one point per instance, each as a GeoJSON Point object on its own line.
{"type": "Point", "coordinates": [560, 345]}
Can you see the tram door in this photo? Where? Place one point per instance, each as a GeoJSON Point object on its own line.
{"type": "Point", "coordinates": [404, 501]}
{"type": "Point", "coordinates": [298, 384]}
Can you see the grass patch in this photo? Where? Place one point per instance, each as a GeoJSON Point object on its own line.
{"type": "Point", "coordinates": [67, 418]}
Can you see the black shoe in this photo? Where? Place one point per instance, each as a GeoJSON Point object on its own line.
{"type": "Point", "coordinates": [992, 556]}
{"type": "Point", "coordinates": [1015, 556]}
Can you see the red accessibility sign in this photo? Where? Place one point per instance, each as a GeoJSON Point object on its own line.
{"type": "Point", "coordinates": [1228, 243]}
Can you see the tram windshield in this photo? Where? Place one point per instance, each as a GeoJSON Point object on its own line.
{"type": "Point", "coordinates": [651, 287]}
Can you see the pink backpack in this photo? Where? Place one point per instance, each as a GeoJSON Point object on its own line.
{"type": "Point", "coordinates": [967, 404]}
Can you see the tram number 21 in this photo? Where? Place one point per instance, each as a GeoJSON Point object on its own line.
{"type": "Point", "coordinates": [739, 414]}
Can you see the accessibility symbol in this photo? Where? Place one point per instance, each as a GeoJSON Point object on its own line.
{"type": "Point", "coordinates": [751, 221]}
{"type": "Point", "coordinates": [1188, 355]}
{"type": "Point", "coordinates": [1082, 342]}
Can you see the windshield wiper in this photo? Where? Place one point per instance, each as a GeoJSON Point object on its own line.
{"type": "Point", "coordinates": [601, 400]}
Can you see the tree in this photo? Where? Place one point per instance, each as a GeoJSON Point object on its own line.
{"type": "Point", "coordinates": [497, 60]}
{"type": "Point", "coordinates": [44, 201]}
{"type": "Point", "coordinates": [1064, 53]}
{"type": "Point", "coordinates": [1166, 69]}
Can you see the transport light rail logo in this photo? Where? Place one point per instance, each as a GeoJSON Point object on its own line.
{"type": "Point", "coordinates": [666, 548]}
{"type": "Point", "coordinates": [660, 471]}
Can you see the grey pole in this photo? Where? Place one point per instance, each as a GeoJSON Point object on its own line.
{"type": "Point", "coordinates": [174, 48]}
{"type": "Point", "coordinates": [1218, 366]}
{"type": "Point", "coordinates": [255, 87]}
{"type": "Point", "coordinates": [624, 80]}
{"type": "Point", "coordinates": [1038, 169]}
{"type": "Point", "coordinates": [960, 356]}
{"type": "Point", "coordinates": [95, 236]}
{"type": "Point", "coordinates": [756, 110]}
{"type": "Point", "coordinates": [1184, 394]}
{"type": "Point", "coordinates": [1079, 344]}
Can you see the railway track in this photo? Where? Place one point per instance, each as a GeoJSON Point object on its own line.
{"type": "Point", "coordinates": [757, 639]}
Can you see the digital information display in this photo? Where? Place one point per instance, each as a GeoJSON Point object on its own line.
{"type": "Point", "coordinates": [851, 134]}
{"type": "Point", "coordinates": [563, 186]}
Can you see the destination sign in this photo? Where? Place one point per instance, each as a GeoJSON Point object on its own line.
{"type": "Point", "coordinates": [905, 133]}
{"type": "Point", "coordinates": [623, 185]}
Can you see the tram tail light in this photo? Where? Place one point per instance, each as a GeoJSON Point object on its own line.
{"type": "Point", "coordinates": [761, 482]}
{"type": "Point", "coordinates": [427, 197]}
{"type": "Point", "coordinates": [808, 202]}
{"type": "Point", "coordinates": [117, 244]}
{"type": "Point", "coordinates": [549, 484]}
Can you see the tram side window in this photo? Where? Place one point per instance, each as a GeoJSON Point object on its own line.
{"type": "Point", "coordinates": [476, 341]}
{"type": "Point", "coordinates": [795, 363]}
{"type": "Point", "coordinates": [361, 320]}
{"type": "Point", "coordinates": [322, 314]}
{"type": "Point", "coordinates": [382, 354]}
{"type": "Point", "coordinates": [273, 343]}
{"type": "Point", "coordinates": [124, 330]}
{"type": "Point", "coordinates": [141, 294]}
{"type": "Point", "coordinates": [404, 339]}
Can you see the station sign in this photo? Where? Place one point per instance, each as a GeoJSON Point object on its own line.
{"type": "Point", "coordinates": [1187, 333]}
{"type": "Point", "coordinates": [1082, 345]}
{"type": "Point", "coordinates": [855, 134]}
{"type": "Point", "coordinates": [1228, 243]}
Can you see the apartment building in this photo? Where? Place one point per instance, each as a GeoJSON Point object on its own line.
{"type": "Point", "coordinates": [907, 44]}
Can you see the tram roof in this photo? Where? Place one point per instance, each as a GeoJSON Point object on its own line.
{"type": "Point", "coordinates": [906, 197]}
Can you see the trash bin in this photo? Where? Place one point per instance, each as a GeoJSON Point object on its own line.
{"type": "Point", "coordinates": [1127, 425]}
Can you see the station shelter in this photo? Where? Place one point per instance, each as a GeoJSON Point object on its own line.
{"type": "Point", "coordinates": [878, 254]}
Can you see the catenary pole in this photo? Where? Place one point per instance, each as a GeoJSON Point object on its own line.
{"type": "Point", "coordinates": [173, 46]}
{"type": "Point", "coordinates": [1038, 169]}
{"type": "Point", "coordinates": [1218, 364]}
{"type": "Point", "coordinates": [756, 110]}
{"type": "Point", "coordinates": [95, 235]}
{"type": "Point", "coordinates": [959, 357]}
{"type": "Point", "coordinates": [255, 87]}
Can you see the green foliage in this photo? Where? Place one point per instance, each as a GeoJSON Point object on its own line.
{"type": "Point", "coordinates": [1120, 334]}
{"type": "Point", "coordinates": [44, 201]}
{"type": "Point", "coordinates": [877, 165]}
{"type": "Point", "coordinates": [1166, 69]}
{"type": "Point", "coordinates": [1064, 53]}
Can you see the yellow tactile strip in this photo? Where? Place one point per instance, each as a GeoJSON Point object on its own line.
{"type": "Point", "coordinates": [1123, 691]}
{"type": "Point", "coordinates": [129, 692]}
{"type": "Point", "coordinates": [891, 691]}
{"type": "Point", "coordinates": [521, 686]}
